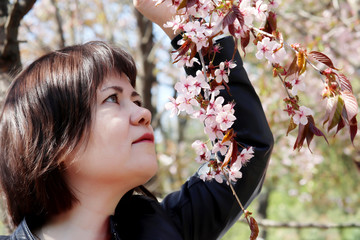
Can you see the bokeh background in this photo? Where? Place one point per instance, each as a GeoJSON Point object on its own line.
{"type": "Point", "coordinates": [306, 195]}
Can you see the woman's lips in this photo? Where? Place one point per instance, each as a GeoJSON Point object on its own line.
{"type": "Point", "coordinates": [147, 137]}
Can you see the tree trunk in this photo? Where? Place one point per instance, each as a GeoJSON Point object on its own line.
{"type": "Point", "coordinates": [146, 45]}
{"type": "Point", "coordinates": [262, 209]}
{"type": "Point", "coordinates": [9, 29]}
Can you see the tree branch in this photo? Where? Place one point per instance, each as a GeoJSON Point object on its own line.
{"type": "Point", "coordinates": [274, 224]}
{"type": "Point", "coordinates": [10, 54]}
{"type": "Point", "coordinates": [59, 23]}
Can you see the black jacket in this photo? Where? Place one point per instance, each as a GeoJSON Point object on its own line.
{"type": "Point", "coordinates": [200, 210]}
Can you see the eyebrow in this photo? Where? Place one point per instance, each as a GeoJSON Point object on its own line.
{"type": "Point", "coordinates": [120, 90]}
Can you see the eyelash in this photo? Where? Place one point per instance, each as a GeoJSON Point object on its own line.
{"type": "Point", "coordinates": [137, 102]}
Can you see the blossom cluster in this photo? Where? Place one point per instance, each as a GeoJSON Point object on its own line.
{"type": "Point", "coordinates": [200, 22]}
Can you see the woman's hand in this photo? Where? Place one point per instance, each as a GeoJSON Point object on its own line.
{"type": "Point", "coordinates": [159, 14]}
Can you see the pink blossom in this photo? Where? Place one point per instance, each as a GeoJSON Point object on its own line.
{"type": "Point", "coordinates": [260, 10]}
{"type": "Point", "coordinates": [206, 176]}
{"type": "Point", "coordinates": [221, 147]}
{"type": "Point", "coordinates": [278, 53]}
{"type": "Point", "coordinates": [265, 48]}
{"type": "Point", "coordinates": [218, 176]}
{"type": "Point", "coordinates": [300, 116]}
{"type": "Point", "coordinates": [221, 74]}
{"type": "Point", "coordinates": [184, 60]}
{"type": "Point", "coordinates": [199, 147]}
{"type": "Point", "coordinates": [215, 104]}
{"type": "Point", "coordinates": [273, 4]}
{"type": "Point", "coordinates": [176, 24]}
{"type": "Point", "coordinates": [226, 117]}
{"type": "Point", "coordinates": [200, 83]}
{"type": "Point", "coordinates": [245, 155]}
{"type": "Point", "coordinates": [186, 102]}
{"type": "Point", "coordinates": [172, 106]}
{"type": "Point", "coordinates": [297, 83]}
{"type": "Point", "coordinates": [234, 172]}
{"type": "Point", "coordinates": [212, 128]}
{"type": "Point", "coordinates": [186, 84]}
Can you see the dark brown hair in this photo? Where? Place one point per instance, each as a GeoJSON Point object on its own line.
{"type": "Point", "coordinates": [46, 113]}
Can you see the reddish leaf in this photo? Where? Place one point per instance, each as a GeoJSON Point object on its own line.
{"type": "Point", "coordinates": [329, 108]}
{"type": "Point", "coordinates": [301, 62]}
{"type": "Point", "coordinates": [227, 156]}
{"type": "Point", "coordinates": [186, 3]}
{"type": "Point", "coordinates": [271, 24]}
{"type": "Point", "coordinates": [351, 104]}
{"type": "Point", "coordinates": [228, 136]}
{"type": "Point", "coordinates": [245, 41]}
{"type": "Point", "coordinates": [315, 130]}
{"type": "Point", "coordinates": [291, 127]}
{"type": "Point", "coordinates": [341, 124]}
{"type": "Point", "coordinates": [231, 28]}
{"type": "Point", "coordinates": [183, 50]}
{"type": "Point", "coordinates": [322, 58]}
{"type": "Point", "coordinates": [239, 15]}
{"type": "Point", "coordinates": [234, 152]}
{"type": "Point", "coordinates": [228, 19]}
{"type": "Point", "coordinates": [353, 129]}
{"type": "Point", "coordinates": [345, 84]}
{"type": "Point", "coordinates": [293, 68]}
{"type": "Point", "coordinates": [336, 112]}
{"type": "Point", "coordinates": [254, 229]}
{"type": "Point", "coordinates": [301, 136]}
{"type": "Point", "coordinates": [193, 50]}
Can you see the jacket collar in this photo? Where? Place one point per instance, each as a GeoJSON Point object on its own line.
{"type": "Point", "coordinates": [22, 232]}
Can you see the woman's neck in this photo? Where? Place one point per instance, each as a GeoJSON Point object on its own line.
{"type": "Point", "coordinates": [87, 219]}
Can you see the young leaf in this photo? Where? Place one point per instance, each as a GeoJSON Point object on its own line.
{"type": "Point", "coordinates": [314, 129]}
{"type": "Point", "coordinates": [329, 109]}
{"type": "Point", "coordinates": [254, 229]}
{"type": "Point", "coordinates": [345, 84]}
{"type": "Point", "coordinates": [227, 156]}
{"type": "Point", "coordinates": [293, 68]}
{"type": "Point", "coordinates": [353, 128]}
{"type": "Point", "coordinates": [245, 41]}
{"type": "Point", "coordinates": [228, 136]}
{"type": "Point", "coordinates": [322, 58]}
{"type": "Point", "coordinates": [351, 104]}
{"type": "Point", "coordinates": [335, 114]}
{"type": "Point", "coordinates": [301, 62]}
{"type": "Point", "coordinates": [291, 127]}
{"type": "Point", "coordinates": [301, 136]}
{"type": "Point", "coordinates": [341, 124]}
{"type": "Point", "coordinates": [228, 19]}
{"type": "Point", "coordinates": [238, 14]}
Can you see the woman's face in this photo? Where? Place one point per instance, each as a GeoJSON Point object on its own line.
{"type": "Point", "coordinates": [121, 144]}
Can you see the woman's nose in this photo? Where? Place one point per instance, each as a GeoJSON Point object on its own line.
{"type": "Point", "coordinates": [141, 116]}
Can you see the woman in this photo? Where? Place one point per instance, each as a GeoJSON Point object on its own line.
{"type": "Point", "coordinates": [75, 140]}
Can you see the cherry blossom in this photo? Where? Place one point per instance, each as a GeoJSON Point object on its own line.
{"type": "Point", "coordinates": [173, 106]}
{"type": "Point", "coordinates": [186, 102]}
{"type": "Point", "coordinates": [260, 11]}
{"type": "Point", "coordinates": [226, 117]}
{"type": "Point", "coordinates": [234, 172]}
{"type": "Point", "coordinates": [297, 83]}
{"type": "Point", "coordinates": [185, 85]}
{"type": "Point", "coordinates": [300, 116]}
{"type": "Point", "coordinates": [221, 73]}
{"type": "Point", "coordinates": [265, 48]}
{"type": "Point", "coordinates": [212, 129]}
{"type": "Point", "coordinates": [245, 155]}
{"type": "Point", "coordinates": [221, 147]}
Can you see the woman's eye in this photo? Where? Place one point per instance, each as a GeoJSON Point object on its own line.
{"type": "Point", "coordinates": [138, 102]}
{"type": "Point", "coordinates": [113, 98]}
